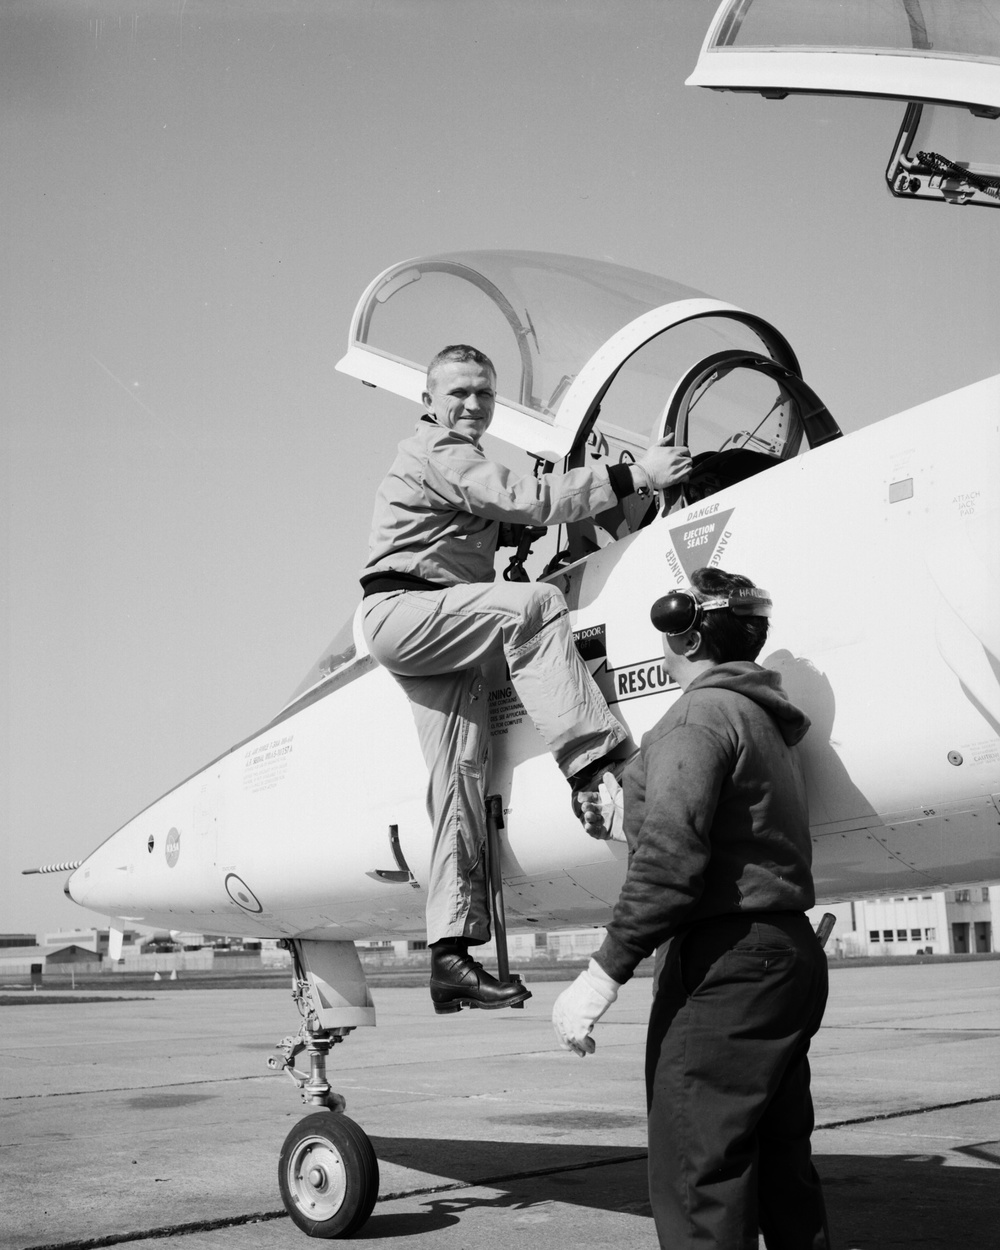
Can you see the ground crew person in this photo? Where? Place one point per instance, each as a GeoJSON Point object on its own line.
{"type": "Point", "coordinates": [719, 873]}
{"type": "Point", "coordinates": [433, 615]}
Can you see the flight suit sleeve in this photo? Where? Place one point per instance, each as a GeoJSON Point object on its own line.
{"type": "Point", "coordinates": [684, 774]}
{"type": "Point", "coordinates": [459, 476]}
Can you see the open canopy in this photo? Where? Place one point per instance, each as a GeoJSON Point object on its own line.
{"type": "Point", "coordinates": [940, 56]}
{"type": "Point", "coordinates": [558, 328]}
{"type": "Point", "coordinates": [937, 51]}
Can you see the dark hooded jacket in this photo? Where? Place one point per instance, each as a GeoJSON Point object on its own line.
{"type": "Point", "coordinates": [715, 814]}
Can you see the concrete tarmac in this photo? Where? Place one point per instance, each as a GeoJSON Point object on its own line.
{"type": "Point", "coordinates": [155, 1122]}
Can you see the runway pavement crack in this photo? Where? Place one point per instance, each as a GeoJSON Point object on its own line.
{"type": "Point", "coordinates": [171, 1230]}
{"type": "Point", "coordinates": [135, 1089]}
{"type": "Point", "coordinates": [897, 1115]}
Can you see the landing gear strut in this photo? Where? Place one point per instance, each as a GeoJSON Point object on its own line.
{"type": "Point", "coordinates": [327, 1171]}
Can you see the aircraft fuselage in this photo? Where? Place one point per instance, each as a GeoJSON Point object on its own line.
{"type": "Point", "coordinates": [880, 552]}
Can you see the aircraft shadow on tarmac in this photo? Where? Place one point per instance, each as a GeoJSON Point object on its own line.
{"type": "Point", "coordinates": [880, 1201]}
{"type": "Point", "coordinates": [875, 1202]}
{"type": "Point", "coordinates": [608, 1178]}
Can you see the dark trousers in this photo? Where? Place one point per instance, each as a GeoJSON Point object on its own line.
{"type": "Point", "coordinates": [727, 1085]}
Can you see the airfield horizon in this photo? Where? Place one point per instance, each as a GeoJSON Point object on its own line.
{"type": "Point", "coordinates": [15, 990]}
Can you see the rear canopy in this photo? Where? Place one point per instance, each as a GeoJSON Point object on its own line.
{"type": "Point", "coordinates": [942, 57]}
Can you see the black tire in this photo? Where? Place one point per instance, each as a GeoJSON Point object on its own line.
{"type": "Point", "coordinates": [328, 1175]}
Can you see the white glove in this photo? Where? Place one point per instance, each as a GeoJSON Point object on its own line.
{"type": "Point", "coordinates": [602, 809]}
{"type": "Point", "coordinates": [578, 1008]}
{"type": "Point", "coordinates": [664, 465]}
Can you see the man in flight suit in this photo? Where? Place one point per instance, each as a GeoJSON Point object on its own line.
{"type": "Point", "coordinates": [719, 873]}
{"type": "Point", "coordinates": [433, 615]}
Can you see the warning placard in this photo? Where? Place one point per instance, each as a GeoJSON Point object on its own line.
{"type": "Point", "coordinates": [630, 681]}
{"type": "Point", "coordinates": [700, 543]}
{"type": "Point", "coordinates": [266, 763]}
{"type": "Point", "coordinates": [506, 711]}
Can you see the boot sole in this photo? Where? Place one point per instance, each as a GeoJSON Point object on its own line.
{"type": "Point", "coordinates": [456, 1004]}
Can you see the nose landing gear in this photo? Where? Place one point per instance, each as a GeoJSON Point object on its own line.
{"type": "Point", "coordinates": [327, 1170]}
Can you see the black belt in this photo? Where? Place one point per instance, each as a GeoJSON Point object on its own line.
{"type": "Point", "coordinates": [379, 583]}
{"type": "Point", "coordinates": [731, 917]}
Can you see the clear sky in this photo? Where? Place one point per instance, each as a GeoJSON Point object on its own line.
{"type": "Point", "coordinates": [195, 194]}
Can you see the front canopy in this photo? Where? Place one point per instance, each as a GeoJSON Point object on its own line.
{"type": "Point", "coordinates": [558, 328]}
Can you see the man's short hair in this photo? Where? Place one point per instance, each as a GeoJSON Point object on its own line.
{"type": "Point", "coordinates": [460, 352]}
{"type": "Point", "coordinates": [725, 635]}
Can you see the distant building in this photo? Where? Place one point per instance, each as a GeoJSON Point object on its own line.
{"type": "Point", "coordinates": [970, 918]}
{"type": "Point", "coordinates": [96, 940]}
{"type": "Point", "coordinates": [950, 922]}
{"type": "Point", "coordinates": [77, 955]}
{"type": "Point", "coordinates": [943, 923]}
{"type": "Point", "coordinates": [163, 941]}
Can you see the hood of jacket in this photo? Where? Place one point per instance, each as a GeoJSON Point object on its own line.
{"type": "Point", "coordinates": [762, 685]}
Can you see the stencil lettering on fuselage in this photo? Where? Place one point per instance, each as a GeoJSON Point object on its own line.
{"type": "Point", "coordinates": [265, 764]}
{"type": "Point", "coordinates": [618, 685]}
{"type": "Point", "coordinates": [701, 542]}
{"type": "Point", "coordinates": [630, 681]}
{"type": "Point", "coordinates": [505, 708]}
{"type": "Point", "coordinates": [592, 643]}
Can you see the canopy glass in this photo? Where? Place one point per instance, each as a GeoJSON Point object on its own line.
{"type": "Point", "coordinates": [966, 28]}
{"type": "Point", "coordinates": [936, 51]}
{"type": "Point", "coordinates": [556, 327]}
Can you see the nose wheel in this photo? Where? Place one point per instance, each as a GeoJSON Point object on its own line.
{"type": "Point", "coordinates": [328, 1175]}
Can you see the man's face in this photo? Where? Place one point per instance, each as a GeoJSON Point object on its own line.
{"type": "Point", "coordinates": [461, 397]}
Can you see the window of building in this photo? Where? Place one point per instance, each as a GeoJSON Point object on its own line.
{"type": "Point", "coordinates": [886, 935]}
{"type": "Point", "coordinates": [418, 945]}
{"type": "Point", "coordinates": [873, 935]}
{"type": "Point", "coordinates": [901, 934]}
{"type": "Point", "coordinates": [963, 896]}
{"type": "Point", "coordinates": [986, 893]}
{"type": "Point", "coordinates": [928, 898]}
{"type": "Point", "coordinates": [912, 898]}
{"type": "Point", "coordinates": [914, 935]}
{"type": "Point", "coordinates": [930, 935]}
{"type": "Point", "coordinates": [541, 940]}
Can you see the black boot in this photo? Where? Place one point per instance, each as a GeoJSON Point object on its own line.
{"type": "Point", "coordinates": [457, 981]}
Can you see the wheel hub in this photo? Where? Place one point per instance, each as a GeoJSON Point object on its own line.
{"type": "Point", "coordinates": [317, 1179]}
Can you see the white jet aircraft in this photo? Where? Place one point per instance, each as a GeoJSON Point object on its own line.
{"type": "Point", "coordinates": [880, 550]}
